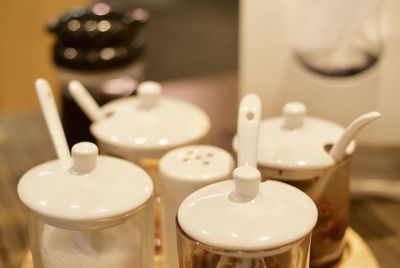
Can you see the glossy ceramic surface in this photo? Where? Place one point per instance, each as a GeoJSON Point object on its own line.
{"type": "Point", "coordinates": [94, 190]}
{"type": "Point", "coordinates": [296, 142]}
{"type": "Point", "coordinates": [150, 132]}
{"type": "Point", "coordinates": [277, 216]}
{"type": "Point", "coordinates": [196, 164]}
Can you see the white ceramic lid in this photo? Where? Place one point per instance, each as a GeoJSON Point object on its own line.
{"type": "Point", "coordinates": [197, 163]}
{"type": "Point", "coordinates": [243, 214]}
{"type": "Point", "coordinates": [96, 191]}
{"type": "Point", "coordinates": [247, 215]}
{"type": "Point", "coordinates": [148, 125]}
{"type": "Point", "coordinates": [295, 141]}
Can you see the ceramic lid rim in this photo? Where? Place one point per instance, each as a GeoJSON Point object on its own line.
{"type": "Point", "coordinates": [266, 163]}
{"type": "Point", "coordinates": [145, 146]}
{"type": "Point", "coordinates": [112, 213]}
{"type": "Point", "coordinates": [188, 226]}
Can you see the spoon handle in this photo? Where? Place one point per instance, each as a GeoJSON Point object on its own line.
{"type": "Point", "coordinates": [53, 121]}
{"type": "Point", "coordinates": [248, 129]}
{"type": "Point", "coordinates": [83, 98]}
{"type": "Point", "coordinates": [338, 150]}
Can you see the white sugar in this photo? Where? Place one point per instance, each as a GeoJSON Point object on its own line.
{"type": "Point", "coordinates": [115, 247]}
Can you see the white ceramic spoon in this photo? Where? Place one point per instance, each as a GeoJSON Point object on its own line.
{"type": "Point", "coordinates": [53, 121]}
{"type": "Point", "coordinates": [338, 151]}
{"type": "Point", "coordinates": [85, 101]}
{"type": "Point", "coordinates": [57, 135]}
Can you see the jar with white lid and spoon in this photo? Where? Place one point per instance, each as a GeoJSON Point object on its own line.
{"type": "Point", "coordinates": [245, 222]}
{"type": "Point", "coordinates": [313, 155]}
{"type": "Point", "coordinates": [142, 128]}
{"type": "Point", "coordinates": [86, 210]}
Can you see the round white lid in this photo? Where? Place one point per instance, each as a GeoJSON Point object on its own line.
{"type": "Point", "coordinates": [148, 125]}
{"type": "Point", "coordinates": [94, 192]}
{"type": "Point", "coordinates": [197, 163]}
{"type": "Point", "coordinates": [295, 141]}
{"type": "Point", "coordinates": [245, 214]}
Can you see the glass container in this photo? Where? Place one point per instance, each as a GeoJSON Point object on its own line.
{"type": "Point", "coordinates": [245, 222]}
{"type": "Point", "coordinates": [294, 148]}
{"type": "Point", "coordinates": [123, 244]}
{"type": "Point", "coordinates": [92, 213]}
{"type": "Point", "coordinates": [142, 128]}
{"type": "Point", "coordinates": [271, 229]}
{"type": "Point", "coordinates": [195, 254]}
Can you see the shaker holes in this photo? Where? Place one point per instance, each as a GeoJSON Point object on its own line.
{"type": "Point", "coordinates": [250, 116]}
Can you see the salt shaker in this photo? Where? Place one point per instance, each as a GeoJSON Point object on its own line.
{"type": "Point", "coordinates": [183, 171]}
{"type": "Point", "coordinates": [244, 222]}
{"type": "Point", "coordinates": [295, 148]}
{"type": "Point", "coordinates": [92, 213]}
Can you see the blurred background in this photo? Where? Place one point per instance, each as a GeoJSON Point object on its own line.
{"type": "Point", "coordinates": [183, 39]}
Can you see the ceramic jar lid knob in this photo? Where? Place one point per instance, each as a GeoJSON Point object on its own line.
{"type": "Point", "coordinates": [84, 157]}
{"type": "Point", "coordinates": [149, 94]}
{"type": "Point", "coordinates": [294, 114]}
{"type": "Point", "coordinates": [247, 183]}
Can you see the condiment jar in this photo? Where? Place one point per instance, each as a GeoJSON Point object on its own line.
{"type": "Point", "coordinates": [183, 171]}
{"type": "Point", "coordinates": [144, 127]}
{"type": "Point", "coordinates": [93, 213]}
{"type": "Point", "coordinates": [294, 148]}
{"type": "Point", "coordinates": [244, 222]}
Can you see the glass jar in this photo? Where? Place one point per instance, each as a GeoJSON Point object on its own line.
{"type": "Point", "coordinates": [333, 210]}
{"type": "Point", "coordinates": [294, 148]}
{"type": "Point", "coordinates": [96, 213]}
{"type": "Point", "coordinates": [245, 222]}
{"type": "Point", "coordinates": [194, 254]}
{"type": "Point", "coordinates": [271, 229]}
{"type": "Point", "coordinates": [142, 128]}
{"type": "Point", "coordinates": [125, 244]}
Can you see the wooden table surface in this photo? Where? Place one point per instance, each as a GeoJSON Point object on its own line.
{"type": "Point", "coordinates": [24, 143]}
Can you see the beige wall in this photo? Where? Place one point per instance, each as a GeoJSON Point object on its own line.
{"type": "Point", "coordinates": [25, 50]}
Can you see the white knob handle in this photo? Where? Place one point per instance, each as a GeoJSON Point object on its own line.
{"type": "Point", "coordinates": [247, 183]}
{"type": "Point", "coordinates": [149, 94]}
{"type": "Point", "coordinates": [84, 157]}
{"type": "Point", "coordinates": [293, 114]}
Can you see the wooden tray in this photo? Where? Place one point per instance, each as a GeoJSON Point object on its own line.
{"type": "Point", "coordinates": [356, 255]}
